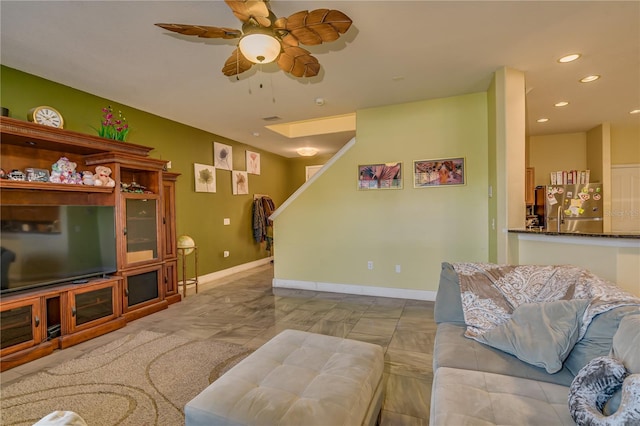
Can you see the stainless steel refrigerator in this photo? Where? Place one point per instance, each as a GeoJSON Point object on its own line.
{"type": "Point", "coordinates": [571, 208]}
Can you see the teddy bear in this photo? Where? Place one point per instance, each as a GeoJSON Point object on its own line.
{"type": "Point", "coordinates": [87, 178]}
{"type": "Point", "coordinates": [64, 171]}
{"type": "Point", "coordinates": [102, 177]}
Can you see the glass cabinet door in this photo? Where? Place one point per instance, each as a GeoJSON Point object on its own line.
{"type": "Point", "coordinates": [93, 305]}
{"type": "Point", "coordinates": [141, 229]}
{"type": "Point", "coordinates": [20, 326]}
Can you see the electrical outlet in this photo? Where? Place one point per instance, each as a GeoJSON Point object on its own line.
{"type": "Point", "coordinates": [398, 269]}
{"type": "Point", "coordinates": [226, 221]}
{"type": "Point", "coordinates": [370, 265]}
{"type": "Point", "coordinates": [226, 253]}
{"type": "Point", "coordinates": [168, 164]}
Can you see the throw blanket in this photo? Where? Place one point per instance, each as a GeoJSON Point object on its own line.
{"type": "Point", "coordinates": [490, 293]}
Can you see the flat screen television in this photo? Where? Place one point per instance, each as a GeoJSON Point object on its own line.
{"type": "Point", "coordinates": [48, 245]}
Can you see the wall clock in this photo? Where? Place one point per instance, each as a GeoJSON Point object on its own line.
{"type": "Point", "coordinates": [46, 116]}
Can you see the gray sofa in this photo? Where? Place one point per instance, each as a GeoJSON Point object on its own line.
{"type": "Point", "coordinates": [476, 383]}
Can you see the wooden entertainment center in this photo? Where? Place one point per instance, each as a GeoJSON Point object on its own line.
{"type": "Point", "coordinates": [35, 322]}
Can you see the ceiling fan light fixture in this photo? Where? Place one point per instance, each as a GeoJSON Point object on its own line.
{"type": "Point", "coordinates": [259, 48]}
{"type": "Point", "coordinates": [307, 151]}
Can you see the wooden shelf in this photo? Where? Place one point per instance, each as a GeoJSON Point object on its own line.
{"type": "Point", "coordinates": [49, 186]}
{"type": "Point", "coordinates": [18, 132]}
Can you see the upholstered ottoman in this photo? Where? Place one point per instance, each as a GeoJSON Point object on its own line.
{"type": "Point", "coordinates": [296, 378]}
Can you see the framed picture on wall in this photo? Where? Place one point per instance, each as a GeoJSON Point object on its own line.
{"type": "Point", "coordinates": [223, 156]}
{"type": "Point", "coordinates": [205, 177]}
{"type": "Point", "coordinates": [439, 172]}
{"type": "Point", "coordinates": [380, 176]}
{"type": "Point", "coordinates": [239, 182]}
{"type": "Point", "coordinates": [253, 162]}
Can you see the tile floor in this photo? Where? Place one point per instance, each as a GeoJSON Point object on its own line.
{"type": "Point", "coordinates": [244, 309]}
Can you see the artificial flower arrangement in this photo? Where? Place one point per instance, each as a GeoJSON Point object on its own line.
{"type": "Point", "coordinates": [112, 127]}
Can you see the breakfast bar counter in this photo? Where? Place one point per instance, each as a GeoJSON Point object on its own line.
{"type": "Point", "coordinates": [612, 256]}
{"type": "Point", "coordinates": [538, 231]}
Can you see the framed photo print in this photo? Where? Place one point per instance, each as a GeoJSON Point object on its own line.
{"type": "Point", "coordinates": [223, 156]}
{"type": "Point", "coordinates": [253, 162]}
{"type": "Point", "coordinates": [205, 177]}
{"type": "Point", "coordinates": [440, 172]}
{"type": "Point", "coordinates": [380, 176]}
{"type": "Point", "coordinates": [239, 182]}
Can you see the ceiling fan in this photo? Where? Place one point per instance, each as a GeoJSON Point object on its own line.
{"type": "Point", "coordinates": [265, 38]}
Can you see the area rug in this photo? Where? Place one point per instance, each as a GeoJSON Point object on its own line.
{"type": "Point", "coordinates": [142, 379]}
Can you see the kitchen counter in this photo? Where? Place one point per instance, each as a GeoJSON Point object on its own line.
{"type": "Point", "coordinates": [610, 255]}
{"type": "Point", "coordinates": [538, 231]}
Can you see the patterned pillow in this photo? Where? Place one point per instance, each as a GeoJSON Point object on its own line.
{"type": "Point", "coordinates": [595, 384]}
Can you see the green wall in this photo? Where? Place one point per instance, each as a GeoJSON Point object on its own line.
{"type": "Point", "coordinates": [199, 215]}
{"type": "Point", "coordinates": [330, 232]}
{"type": "Point", "coordinates": [298, 171]}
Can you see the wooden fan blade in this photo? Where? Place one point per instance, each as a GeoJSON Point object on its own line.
{"type": "Point", "coordinates": [318, 26]}
{"type": "Point", "coordinates": [298, 62]}
{"type": "Point", "coordinates": [247, 9]}
{"type": "Point", "coordinates": [280, 28]}
{"type": "Point", "coordinates": [202, 31]}
{"type": "Point", "coordinates": [236, 64]}
{"type": "Point", "coordinates": [290, 40]}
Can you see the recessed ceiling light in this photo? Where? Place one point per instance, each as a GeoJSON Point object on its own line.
{"type": "Point", "coordinates": [634, 111]}
{"type": "Point", "coordinates": [319, 101]}
{"type": "Point", "coordinates": [542, 120]}
{"type": "Point", "coordinates": [589, 78]}
{"type": "Point", "coordinates": [569, 58]}
{"type": "Point", "coordinates": [561, 103]}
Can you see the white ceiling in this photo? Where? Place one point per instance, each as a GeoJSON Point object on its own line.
{"type": "Point", "coordinates": [395, 52]}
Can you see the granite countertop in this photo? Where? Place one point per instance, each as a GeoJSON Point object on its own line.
{"type": "Point", "coordinates": [537, 230]}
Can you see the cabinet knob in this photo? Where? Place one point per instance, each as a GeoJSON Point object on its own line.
{"type": "Point", "coordinates": [126, 292]}
{"type": "Point", "coordinates": [73, 311]}
{"type": "Point", "coordinates": [37, 321]}
{"type": "Point", "coordinates": [125, 231]}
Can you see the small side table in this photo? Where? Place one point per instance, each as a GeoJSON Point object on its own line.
{"type": "Point", "coordinates": [184, 282]}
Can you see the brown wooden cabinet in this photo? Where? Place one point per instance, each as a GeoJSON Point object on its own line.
{"type": "Point", "coordinates": [20, 323]}
{"type": "Point", "coordinates": [529, 186]}
{"type": "Point", "coordinates": [93, 307]}
{"type": "Point", "coordinates": [36, 322]}
{"type": "Point", "coordinates": [169, 237]}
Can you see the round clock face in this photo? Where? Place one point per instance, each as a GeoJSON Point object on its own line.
{"type": "Point", "coordinates": [46, 116]}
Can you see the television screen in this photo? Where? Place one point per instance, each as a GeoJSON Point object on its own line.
{"type": "Point", "coordinates": [45, 245]}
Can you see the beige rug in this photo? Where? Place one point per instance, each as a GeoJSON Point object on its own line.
{"type": "Point", "coordinates": [143, 379]}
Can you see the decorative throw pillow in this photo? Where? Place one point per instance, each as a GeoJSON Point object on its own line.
{"type": "Point", "coordinates": [448, 307]}
{"type": "Point", "coordinates": [541, 334]}
{"type": "Point", "coordinates": [598, 338]}
{"type": "Point", "coordinates": [595, 384]}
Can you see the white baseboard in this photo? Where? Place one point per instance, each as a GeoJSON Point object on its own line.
{"type": "Point", "coordinates": [398, 293]}
{"type": "Point", "coordinates": [205, 279]}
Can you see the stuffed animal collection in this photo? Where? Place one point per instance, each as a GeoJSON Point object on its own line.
{"type": "Point", "coordinates": [64, 171]}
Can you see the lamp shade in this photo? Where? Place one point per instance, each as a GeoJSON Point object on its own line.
{"type": "Point", "coordinates": [186, 242]}
{"type": "Point", "coordinates": [259, 48]}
